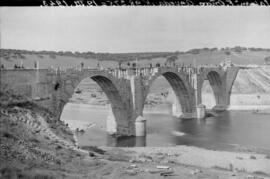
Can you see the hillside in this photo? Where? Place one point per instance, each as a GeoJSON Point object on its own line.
{"type": "Point", "coordinates": [46, 59]}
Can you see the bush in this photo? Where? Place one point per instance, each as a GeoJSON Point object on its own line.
{"type": "Point", "coordinates": [22, 56]}
{"type": "Point", "coordinates": [194, 51]}
{"type": "Point", "coordinates": [214, 49]}
{"type": "Point", "coordinates": [237, 49]}
{"type": "Point", "coordinates": [227, 52]}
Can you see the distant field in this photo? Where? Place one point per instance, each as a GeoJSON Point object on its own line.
{"type": "Point", "coordinates": [238, 55]}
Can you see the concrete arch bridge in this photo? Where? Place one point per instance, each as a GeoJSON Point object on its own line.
{"type": "Point", "coordinates": [126, 89]}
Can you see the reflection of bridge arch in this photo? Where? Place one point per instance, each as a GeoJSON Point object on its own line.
{"type": "Point", "coordinates": [180, 85]}
{"type": "Point", "coordinates": [109, 85]}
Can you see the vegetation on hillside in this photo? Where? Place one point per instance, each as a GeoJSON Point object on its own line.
{"type": "Point", "coordinates": [66, 59]}
{"type": "Point", "coordinates": [8, 53]}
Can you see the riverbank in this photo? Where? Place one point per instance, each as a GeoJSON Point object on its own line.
{"type": "Point", "coordinates": [35, 145]}
{"type": "Point", "coordinates": [194, 156]}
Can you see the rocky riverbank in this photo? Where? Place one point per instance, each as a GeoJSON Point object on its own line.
{"type": "Point", "coordinates": [35, 145]}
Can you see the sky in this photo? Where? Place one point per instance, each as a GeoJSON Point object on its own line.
{"type": "Point", "coordinates": [133, 29]}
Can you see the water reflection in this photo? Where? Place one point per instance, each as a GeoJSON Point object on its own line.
{"type": "Point", "coordinates": [223, 131]}
{"type": "Point", "coordinates": [113, 141]}
{"type": "Point", "coordinates": [204, 132]}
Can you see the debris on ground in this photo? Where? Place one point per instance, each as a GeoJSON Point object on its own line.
{"type": "Point", "coordinates": [163, 167]}
{"type": "Point", "coordinates": [196, 171]}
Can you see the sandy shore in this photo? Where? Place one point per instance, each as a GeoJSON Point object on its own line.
{"type": "Point", "coordinates": [241, 101]}
{"type": "Point", "coordinates": [194, 156]}
{"type": "Point", "coordinates": [262, 108]}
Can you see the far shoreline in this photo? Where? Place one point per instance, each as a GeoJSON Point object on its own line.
{"type": "Point", "coordinates": [154, 109]}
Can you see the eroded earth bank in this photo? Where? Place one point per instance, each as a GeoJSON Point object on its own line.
{"type": "Point", "coordinates": [35, 145]}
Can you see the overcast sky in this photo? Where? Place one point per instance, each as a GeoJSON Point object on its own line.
{"type": "Point", "coordinates": [133, 29]}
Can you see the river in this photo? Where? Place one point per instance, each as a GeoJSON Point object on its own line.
{"type": "Point", "coordinates": [223, 132]}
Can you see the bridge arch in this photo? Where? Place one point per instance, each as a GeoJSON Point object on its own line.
{"type": "Point", "coordinates": [180, 85]}
{"type": "Point", "coordinates": [109, 85]}
{"type": "Point", "coordinates": [215, 82]}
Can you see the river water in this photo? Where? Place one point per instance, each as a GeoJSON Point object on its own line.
{"type": "Point", "coordinates": [223, 132]}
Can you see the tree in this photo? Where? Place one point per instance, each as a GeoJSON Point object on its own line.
{"type": "Point", "coordinates": [171, 60]}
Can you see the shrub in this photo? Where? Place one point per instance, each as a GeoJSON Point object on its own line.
{"type": "Point", "coordinates": [227, 52]}
{"type": "Point", "coordinates": [237, 49]}
{"type": "Point", "coordinates": [214, 49]}
{"type": "Point", "coordinates": [22, 56]}
{"type": "Point", "coordinates": [194, 51]}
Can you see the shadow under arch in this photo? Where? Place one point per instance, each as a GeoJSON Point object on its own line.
{"type": "Point", "coordinates": [215, 83]}
{"type": "Point", "coordinates": [112, 93]}
{"type": "Point", "coordinates": [180, 89]}
{"type": "Point", "coordinates": [207, 95]}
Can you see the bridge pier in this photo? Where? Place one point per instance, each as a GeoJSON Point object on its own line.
{"type": "Point", "coordinates": [198, 112]}
{"type": "Point", "coordinates": [176, 109]}
{"type": "Point", "coordinates": [111, 126]}
{"type": "Point", "coordinates": [222, 98]}
{"type": "Point", "coordinates": [140, 126]}
{"type": "Point", "coordinates": [201, 111]}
